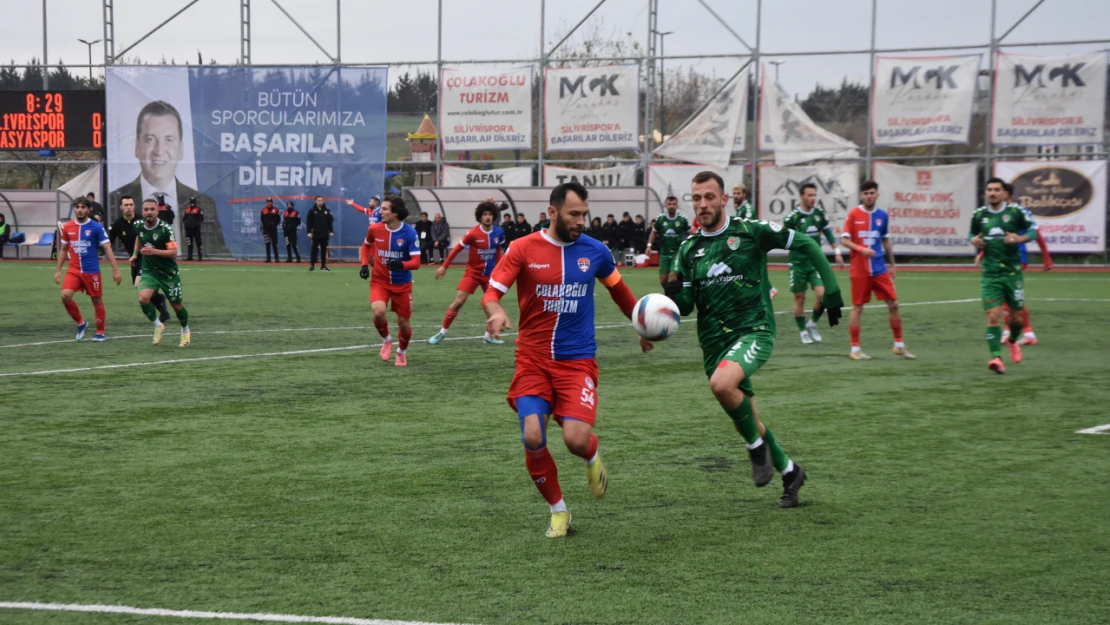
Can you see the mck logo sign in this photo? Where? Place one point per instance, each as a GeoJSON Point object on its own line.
{"type": "Point", "coordinates": [938, 77]}
{"type": "Point", "coordinates": [601, 86]}
{"type": "Point", "coordinates": [1066, 75]}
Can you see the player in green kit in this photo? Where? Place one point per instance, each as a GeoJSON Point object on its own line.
{"type": "Point", "coordinates": [994, 229]}
{"type": "Point", "coordinates": [672, 228]}
{"type": "Point", "coordinates": [157, 246]}
{"type": "Point", "coordinates": [743, 209]}
{"type": "Point", "coordinates": [722, 272]}
{"type": "Point", "coordinates": [809, 220]}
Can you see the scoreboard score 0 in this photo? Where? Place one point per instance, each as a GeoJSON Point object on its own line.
{"type": "Point", "coordinates": [52, 120]}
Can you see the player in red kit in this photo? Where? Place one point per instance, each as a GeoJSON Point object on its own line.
{"type": "Point", "coordinates": [484, 242]}
{"type": "Point", "coordinates": [81, 238]}
{"type": "Point", "coordinates": [394, 249]}
{"type": "Point", "coordinates": [867, 235]}
{"type": "Point", "coordinates": [556, 374]}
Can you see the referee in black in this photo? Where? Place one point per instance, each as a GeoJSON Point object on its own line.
{"type": "Point", "coordinates": [124, 231]}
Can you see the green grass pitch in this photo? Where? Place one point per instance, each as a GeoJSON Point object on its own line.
{"type": "Point", "coordinates": [327, 483]}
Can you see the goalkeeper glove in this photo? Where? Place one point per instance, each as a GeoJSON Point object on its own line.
{"type": "Point", "coordinates": [364, 273]}
{"type": "Point", "coordinates": [396, 265]}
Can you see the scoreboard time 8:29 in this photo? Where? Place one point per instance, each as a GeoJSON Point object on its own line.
{"type": "Point", "coordinates": [52, 120]}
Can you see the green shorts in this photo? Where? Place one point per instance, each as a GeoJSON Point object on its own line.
{"type": "Point", "coordinates": [665, 262]}
{"type": "Point", "coordinates": [802, 276]}
{"type": "Point", "coordinates": [171, 288]}
{"type": "Point", "coordinates": [1003, 289]}
{"type": "Point", "coordinates": [751, 352]}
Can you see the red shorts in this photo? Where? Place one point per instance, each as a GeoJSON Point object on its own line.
{"type": "Point", "coordinates": [87, 282]}
{"type": "Point", "coordinates": [399, 297]}
{"type": "Point", "coordinates": [570, 386]}
{"type": "Point", "coordinates": [881, 285]}
{"type": "Point", "coordinates": [471, 283]}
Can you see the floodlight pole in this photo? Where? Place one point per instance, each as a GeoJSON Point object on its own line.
{"type": "Point", "coordinates": [871, 91]}
{"type": "Point", "coordinates": [439, 77]}
{"type": "Point", "coordinates": [757, 83]}
{"type": "Point", "coordinates": [649, 92]}
{"type": "Point", "coordinates": [90, 44]}
{"type": "Point", "coordinates": [988, 141]}
{"type": "Point", "coordinates": [541, 129]}
{"type": "Point", "coordinates": [45, 69]}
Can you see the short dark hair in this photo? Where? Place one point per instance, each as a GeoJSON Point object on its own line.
{"type": "Point", "coordinates": [996, 179]}
{"type": "Point", "coordinates": [423, 214]}
{"type": "Point", "coordinates": [1009, 188]}
{"type": "Point", "coordinates": [125, 197]}
{"type": "Point", "coordinates": [319, 197]}
{"type": "Point", "coordinates": [669, 198]}
{"type": "Point", "coordinates": [869, 185]}
{"type": "Point", "coordinates": [151, 200]}
{"type": "Point", "coordinates": [90, 194]}
{"type": "Point", "coordinates": [559, 193]}
{"type": "Point", "coordinates": [610, 216]}
{"type": "Point", "coordinates": [625, 214]}
{"type": "Point", "coordinates": [807, 185]}
{"type": "Point", "coordinates": [80, 201]}
{"type": "Point", "coordinates": [158, 108]}
{"type": "Point", "coordinates": [397, 205]}
{"type": "Point", "coordinates": [485, 207]}
{"type": "Point", "coordinates": [706, 176]}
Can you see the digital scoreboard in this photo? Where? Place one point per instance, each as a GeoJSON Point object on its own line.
{"type": "Point", "coordinates": [51, 120]}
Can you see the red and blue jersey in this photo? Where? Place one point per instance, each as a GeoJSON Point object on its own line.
{"type": "Point", "coordinates": [555, 292]}
{"type": "Point", "coordinates": [485, 250]}
{"type": "Point", "coordinates": [83, 240]}
{"type": "Point", "coordinates": [376, 216]}
{"type": "Point", "coordinates": [867, 229]}
{"type": "Point", "coordinates": [385, 245]}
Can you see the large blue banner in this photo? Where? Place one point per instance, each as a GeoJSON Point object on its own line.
{"type": "Point", "coordinates": [228, 138]}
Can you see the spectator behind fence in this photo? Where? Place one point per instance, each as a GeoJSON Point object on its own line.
{"type": "Point", "coordinates": [595, 230]}
{"type": "Point", "coordinates": [291, 220]}
{"type": "Point", "coordinates": [423, 229]}
{"type": "Point", "coordinates": [96, 211]}
{"type": "Point", "coordinates": [626, 231]}
{"type": "Point", "coordinates": [5, 234]}
{"type": "Point", "coordinates": [441, 238]}
{"type": "Point", "coordinates": [639, 242]}
{"type": "Point", "coordinates": [319, 223]}
{"type": "Point", "coordinates": [193, 220]}
{"type": "Point", "coordinates": [609, 232]}
{"type": "Point", "coordinates": [542, 224]}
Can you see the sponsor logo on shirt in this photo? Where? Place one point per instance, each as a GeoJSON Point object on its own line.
{"type": "Point", "coordinates": [538, 266]}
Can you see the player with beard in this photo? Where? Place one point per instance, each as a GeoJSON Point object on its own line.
{"type": "Point", "coordinates": [124, 230]}
{"type": "Point", "coordinates": [722, 273]}
{"type": "Point", "coordinates": [556, 374]}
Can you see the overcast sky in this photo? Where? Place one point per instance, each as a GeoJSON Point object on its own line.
{"type": "Point", "coordinates": [388, 31]}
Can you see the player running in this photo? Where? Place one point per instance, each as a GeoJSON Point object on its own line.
{"type": "Point", "coordinates": [722, 272]}
{"type": "Point", "coordinates": [125, 229]}
{"type": "Point", "coordinates": [672, 227]}
{"type": "Point", "coordinates": [157, 246]}
{"type": "Point", "coordinates": [81, 238]}
{"type": "Point", "coordinates": [373, 211]}
{"type": "Point", "coordinates": [809, 220]}
{"type": "Point", "coordinates": [867, 237]}
{"type": "Point", "coordinates": [1028, 337]}
{"type": "Point", "coordinates": [484, 241]}
{"type": "Point", "coordinates": [394, 249]}
{"type": "Point", "coordinates": [556, 374]}
{"type": "Point", "coordinates": [995, 229]}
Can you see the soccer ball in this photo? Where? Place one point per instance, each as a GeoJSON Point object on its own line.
{"type": "Point", "coordinates": [655, 317]}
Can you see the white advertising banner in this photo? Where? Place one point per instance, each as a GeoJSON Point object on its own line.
{"type": "Point", "coordinates": [785, 129]}
{"type": "Point", "coordinates": [676, 180]}
{"type": "Point", "coordinates": [1040, 100]}
{"type": "Point", "coordinates": [716, 132]}
{"type": "Point", "coordinates": [504, 177]}
{"type": "Point", "coordinates": [1067, 199]}
{"type": "Point", "coordinates": [592, 108]}
{"type": "Point", "coordinates": [486, 110]}
{"type": "Point", "coordinates": [923, 100]}
{"type": "Point", "coordinates": [930, 208]}
{"type": "Point", "coordinates": [619, 176]}
{"type": "Point", "coordinates": [837, 190]}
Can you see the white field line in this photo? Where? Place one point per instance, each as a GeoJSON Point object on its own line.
{"type": "Point", "coordinates": [230, 616]}
{"type": "Point", "coordinates": [170, 324]}
{"type": "Point", "coordinates": [296, 352]}
{"type": "Point", "coordinates": [1098, 429]}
